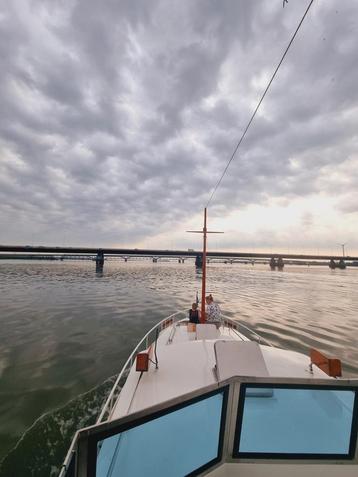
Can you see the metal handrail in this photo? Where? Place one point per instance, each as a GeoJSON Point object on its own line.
{"type": "Point", "coordinates": [108, 406]}
{"type": "Point", "coordinates": [129, 363]}
{"type": "Point", "coordinates": [240, 325]}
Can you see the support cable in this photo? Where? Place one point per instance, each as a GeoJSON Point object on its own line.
{"type": "Point", "coordinates": [258, 105]}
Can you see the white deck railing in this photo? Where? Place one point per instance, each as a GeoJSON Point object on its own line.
{"type": "Point", "coordinates": [237, 325]}
{"type": "Point", "coordinates": [144, 344]}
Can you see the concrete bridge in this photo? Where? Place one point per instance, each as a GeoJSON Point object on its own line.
{"type": "Point", "coordinates": [99, 253]}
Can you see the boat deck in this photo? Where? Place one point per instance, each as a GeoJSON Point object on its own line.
{"type": "Point", "coordinates": [232, 406]}
{"type": "Point", "coordinates": [187, 361]}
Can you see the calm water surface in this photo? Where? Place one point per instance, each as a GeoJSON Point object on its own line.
{"type": "Point", "coordinates": [65, 329]}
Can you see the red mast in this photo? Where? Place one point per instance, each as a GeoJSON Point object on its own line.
{"type": "Point", "coordinates": [203, 282]}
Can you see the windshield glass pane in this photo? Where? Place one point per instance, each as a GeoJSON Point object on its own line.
{"type": "Point", "coordinates": [173, 444]}
{"type": "Point", "coordinates": [295, 421]}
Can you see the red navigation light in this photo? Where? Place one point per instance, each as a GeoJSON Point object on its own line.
{"type": "Point", "coordinates": [142, 362]}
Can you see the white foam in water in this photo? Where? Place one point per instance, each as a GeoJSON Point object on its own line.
{"type": "Point", "coordinates": [42, 448]}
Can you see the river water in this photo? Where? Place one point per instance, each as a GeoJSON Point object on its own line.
{"type": "Point", "coordinates": [66, 330]}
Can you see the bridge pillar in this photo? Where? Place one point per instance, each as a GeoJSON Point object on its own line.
{"type": "Point", "coordinates": [99, 261]}
{"type": "Point", "coordinates": [280, 263]}
{"type": "Point", "coordinates": [273, 263]}
{"type": "Point", "coordinates": [342, 264]}
{"type": "Point", "coordinates": [126, 259]}
{"type": "Point", "coordinates": [155, 259]}
{"type": "Point", "coordinates": [199, 261]}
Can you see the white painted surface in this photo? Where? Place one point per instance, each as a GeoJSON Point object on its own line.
{"type": "Point", "coordinates": [207, 332]}
{"type": "Point", "coordinates": [187, 364]}
{"type": "Point", "coordinates": [283, 470]}
{"type": "Point", "coordinates": [182, 368]}
{"type": "Point", "coordinates": [284, 363]}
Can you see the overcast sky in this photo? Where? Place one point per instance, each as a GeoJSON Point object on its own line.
{"type": "Point", "coordinates": [119, 116]}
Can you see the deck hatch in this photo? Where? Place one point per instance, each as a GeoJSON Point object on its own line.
{"type": "Point", "coordinates": [296, 422]}
{"type": "Point", "coordinates": [239, 358]}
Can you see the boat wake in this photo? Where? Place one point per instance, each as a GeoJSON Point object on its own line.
{"type": "Point", "coordinates": [42, 448]}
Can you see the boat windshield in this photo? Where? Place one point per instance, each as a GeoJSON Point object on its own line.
{"type": "Point", "coordinates": [188, 438]}
{"type": "Point", "coordinates": [295, 422]}
{"type": "Point", "coordinates": [263, 418]}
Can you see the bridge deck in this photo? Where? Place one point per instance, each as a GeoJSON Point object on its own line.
{"type": "Point", "coordinates": [162, 253]}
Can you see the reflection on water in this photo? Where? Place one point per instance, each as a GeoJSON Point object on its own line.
{"type": "Point", "coordinates": [66, 328]}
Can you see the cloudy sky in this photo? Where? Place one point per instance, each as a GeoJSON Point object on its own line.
{"type": "Point", "coordinates": [119, 116]}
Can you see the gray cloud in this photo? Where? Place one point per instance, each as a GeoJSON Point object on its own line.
{"type": "Point", "coordinates": [118, 118]}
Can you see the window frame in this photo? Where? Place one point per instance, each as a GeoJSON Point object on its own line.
{"type": "Point", "coordinates": [95, 438]}
{"type": "Point", "coordinates": [236, 454]}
